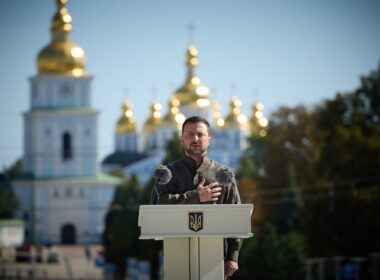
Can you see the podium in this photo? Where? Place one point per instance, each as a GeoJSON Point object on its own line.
{"type": "Point", "coordinates": [193, 236]}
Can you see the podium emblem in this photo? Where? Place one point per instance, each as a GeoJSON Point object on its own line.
{"type": "Point", "coordinates": [195, 221]}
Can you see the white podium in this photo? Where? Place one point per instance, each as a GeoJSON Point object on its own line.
{"type": "Point", "coordinates": [193, 236]}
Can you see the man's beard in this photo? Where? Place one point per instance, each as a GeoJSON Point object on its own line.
{"type": "Point", "coordinates": [198, 152]}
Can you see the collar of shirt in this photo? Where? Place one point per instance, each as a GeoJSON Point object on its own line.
{"type": "Point", "coordinates": [192, 165]}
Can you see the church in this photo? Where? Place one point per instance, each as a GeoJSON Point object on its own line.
{"type": "Point", "coordinates": [63, 194]}
{"type": "Point", "coordinates": [139, 152]}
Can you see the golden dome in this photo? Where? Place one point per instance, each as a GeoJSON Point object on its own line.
{"type": "Point", "coordinates": [174, 118]}
{"type": "Point", "coordinates": [155, 119]}
{"type": "Point", "coordinates": [218, 120]}
{"type": "Point", "coordinates": [61, 56]}
{"type": "Point", "coordinates": [235, 119]}
{"type": "Point", "coordinates": [258, 123]}
{"type": "Point", "coordinates": [127, 122]}
{"type": "Point", "coordinates": [192, 93]}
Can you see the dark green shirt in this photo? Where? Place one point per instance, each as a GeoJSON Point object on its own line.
{"type": "Point", "coordinates": [181, 189]}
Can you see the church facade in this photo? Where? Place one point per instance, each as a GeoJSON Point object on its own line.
{"type": "Point", "coordinates": [139, 152]}
{"type": "Point", "coordinates": [63, 196]}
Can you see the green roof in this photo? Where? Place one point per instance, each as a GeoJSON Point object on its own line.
{"type": "Point", "coordinates": [98, 179]}
{"type": "Point", "coordinates": [11, 223]}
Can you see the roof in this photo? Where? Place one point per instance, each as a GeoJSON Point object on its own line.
{"type": "Point", "coordinates": [100, 178]}
{"type": "Point", "coordinates": [123, 158]}
{"type": "Point", "coordinates": [11, 222]}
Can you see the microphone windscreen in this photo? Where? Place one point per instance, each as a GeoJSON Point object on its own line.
{"type": "Point", "coordinates": [224, 176]}
{"type": "Point", "coordinates": [162, 174]}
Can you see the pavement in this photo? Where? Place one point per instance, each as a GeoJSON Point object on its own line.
{"type": "Point", "coordinates": [73, 264]}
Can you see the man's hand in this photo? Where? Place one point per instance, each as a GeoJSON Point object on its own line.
{"type": "Point", "coordinates": [230, 267]}
{"type": "Point", "coordinates": [210, 192]}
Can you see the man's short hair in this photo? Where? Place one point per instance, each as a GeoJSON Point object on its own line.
{"type": "Point", "coordinates": [196, 119]}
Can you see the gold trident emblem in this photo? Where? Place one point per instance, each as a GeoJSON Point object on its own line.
{"type": "Point", "coordinates": [196, 221]}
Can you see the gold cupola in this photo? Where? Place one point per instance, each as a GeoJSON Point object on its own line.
{"type": "Point", "coordinates": [218, 120]}
{"type": "Point", "coordinates": [235, 119]}
{"type": "Point", "coordinates": [192, 93]}
{"type": "Point", "coordinates": [155, 119]}
{"type": "Point", "coordinates": [127, 122]}
{"type": "Point", "coordinates": [258, 123]}
{"type": "Point", "coordinates": [61, 56]}
{"type": "Point", "coordinates": [173, 118]}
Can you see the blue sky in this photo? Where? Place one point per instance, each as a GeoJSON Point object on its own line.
{"type": "Point", "coordinates": [283, 52]}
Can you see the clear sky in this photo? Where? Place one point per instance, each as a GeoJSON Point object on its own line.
{"type": "Point", "coordinates": [283, 52]}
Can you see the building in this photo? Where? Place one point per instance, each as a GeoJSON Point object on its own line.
{"type": "Point", "coordinates": [139, 152]}
{"type": "Point", "coordinates": [63, 196]}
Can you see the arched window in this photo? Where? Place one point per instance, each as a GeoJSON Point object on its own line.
{"type": "Point", "coordinates": [67, 149]}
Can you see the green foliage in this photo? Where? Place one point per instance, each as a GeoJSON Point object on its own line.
{"type": "Point", "coordinates": [173, 150]}
{"type": "Point", "coordinates": [322, 177]}
{"type": "Point", "coordinates": [121, 235]}
{"type": "Point", "coordinates": [128, 194]}
{"type": "Point", "coordinates": [292, 139]}
{"type": "Point", "coordinates": [347, 223]}
{"type": "Point", "coordinates": [271, 256]}
{"type": "Point", "coordinates": [252, 163]}
{"type": "Point", "coordinates": [14, 170]}
{"type": "Point", "coordinates": [147, 192]}
{"type": "Point", "coordinates": [8, 202]}
{"type": "Point", "coordinates": [350, 129]}
{"type": "Point", "coordinates": [120, 238]}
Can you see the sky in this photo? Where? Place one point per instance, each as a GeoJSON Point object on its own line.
{"type": "Point", "coordinates": [278, 52]}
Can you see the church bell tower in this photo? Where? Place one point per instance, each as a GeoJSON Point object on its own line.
{"type": "Point", "coordinates": [60, 129]}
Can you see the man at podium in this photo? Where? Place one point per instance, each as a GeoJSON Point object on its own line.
{"type": "Point", "coordinates": [193, 179]}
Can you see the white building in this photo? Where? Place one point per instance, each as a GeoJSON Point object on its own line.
{"type": "Point", "coordinates": [139, 152]}
{"type": "Point", "coordinates": [63, 197]}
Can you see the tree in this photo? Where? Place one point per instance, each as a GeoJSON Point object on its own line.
{"type": "Point", "coordinates": [120, 238]}
{"type": "Point", "coordinates": [173, 149]}
{"type": "Point", "coordinates": [250, 176]}
{"type": "Point", "coordinates": [8, 200]}
{"type": "Point", "coordinates": [350, 127]}
{"type": "Point", "coordinates": [348, 168]}
{"type": "Point", "coordinates": [253, 161]}
{"type": "Point", "coordinates": [292, 139]}
{"type": "Point", "coordinates": [271, 256]}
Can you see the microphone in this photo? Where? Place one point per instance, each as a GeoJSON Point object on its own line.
{"type": "Point", "coordinates": [162, 174]}
{"type": "Point", "coordinates": [224, 176]}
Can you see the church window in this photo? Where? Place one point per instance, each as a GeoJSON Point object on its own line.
{"type": "Point", "coordinates": [69, 192]}
{"type": "Point", "coordinates": [67, 150]}
{"type": "Point", "coordinates": [65, 89]}
{"type": "Point", "coordinates": [56, 194]}
{"type": "Point", "coordinates": [81, 193]}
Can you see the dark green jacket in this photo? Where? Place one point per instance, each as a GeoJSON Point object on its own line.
{"type": "Point", "coordinates": [181, 189]}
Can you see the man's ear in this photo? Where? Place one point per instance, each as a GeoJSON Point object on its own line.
{"type": "Point", "coordinates": [181, 140]}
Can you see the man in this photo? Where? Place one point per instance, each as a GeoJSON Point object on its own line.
{"type": "Point", "coordinates": [193, 181]}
